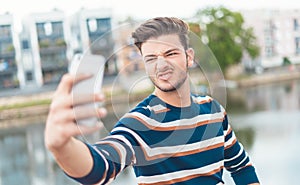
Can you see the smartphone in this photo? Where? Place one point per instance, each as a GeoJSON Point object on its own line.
{"type": "Point", "coordinates": [87, 64]}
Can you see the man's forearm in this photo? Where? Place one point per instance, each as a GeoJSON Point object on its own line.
{"type": "Point", "coordinates": [74, 158]}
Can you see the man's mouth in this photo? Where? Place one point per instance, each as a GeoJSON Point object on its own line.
{"type": "Point", "coordinates": [166, 75]}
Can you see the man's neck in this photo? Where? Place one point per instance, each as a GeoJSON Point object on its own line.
{"type": "Point", "coordinates": [177, 98]}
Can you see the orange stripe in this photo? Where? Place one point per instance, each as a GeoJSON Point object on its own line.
{"type": "Point", "coordinates": [173, 181]}
{"type": "Point", "coordinates": [229, 131]}
{"type": "Point", "coordinates": [234, 141]}
{"type": "Point", "coordinates": [113, 175]}
{"type": "Point", "coordinates": [250, 164]}
{"type": "Point", "coordinates": [104, 174]}
{"type": "Point", "coordinates": [179, 154]}
{"type": "Point", "coordinates": [117, 149]}
{"type": "Point", "coordinates": [161, 111]}
{"type": "Point", "coordinates": [203, 101]}
{"type": "Point", "coordinates": [171, 128]}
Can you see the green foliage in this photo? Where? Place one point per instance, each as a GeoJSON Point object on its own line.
{"type": "Point", "coordinates": [226, 35]}
{"type": "Point", "coordinates": [286, 61]}
{"type": "Point", "coordinates": [60, 42]}
{"type": "Point", "coordinates": [10, 48]}
{"type": "Point", "coordinates": [44, 43]}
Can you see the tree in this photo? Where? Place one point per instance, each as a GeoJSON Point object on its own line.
{"type": "Point", "coordinates": [225, 34]}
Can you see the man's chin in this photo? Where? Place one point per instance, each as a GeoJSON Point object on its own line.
{"type": "Point", "coordinates": [167, 89]}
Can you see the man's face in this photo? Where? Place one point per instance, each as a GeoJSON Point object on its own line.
{"type": "Point", "coordinates": [166, 62]}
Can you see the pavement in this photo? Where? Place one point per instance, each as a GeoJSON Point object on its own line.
{"type": "Point", "coordinates": [131, 83]}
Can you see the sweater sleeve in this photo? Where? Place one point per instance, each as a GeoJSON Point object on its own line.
{"type": "Point", "coordinates": [110, 156]}
{"type": "Point", "coordinates": [236, 159]}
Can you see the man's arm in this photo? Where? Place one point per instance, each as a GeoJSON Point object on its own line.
{"type": "Point", "coordinates": [237, 161]}
{"type": "Point", "coordinates": [72, 155]}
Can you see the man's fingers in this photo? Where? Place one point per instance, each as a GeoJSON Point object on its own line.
{"type": "Point", "coordinates": [79, 99]}
{"type": "Point", "coordinates": [82, 130]}
{"type": "Point", "coordinates": [68, 80]}
{"type": "Point", "coordinates": [87, 111]}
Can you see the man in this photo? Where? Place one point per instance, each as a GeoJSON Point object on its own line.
{"type": "Point", "coordinates": [171, 137]}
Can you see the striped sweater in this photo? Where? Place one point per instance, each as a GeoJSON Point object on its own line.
{"type": "Point", "coordinates": [171, 145]}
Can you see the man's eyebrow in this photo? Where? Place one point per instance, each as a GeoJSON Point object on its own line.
{"type": "Point", "coordinates": [166, 52]}
{"type": "Point", "coordinates": [150, 55]}
{"type": "Point", "coordinates": [171, 50]}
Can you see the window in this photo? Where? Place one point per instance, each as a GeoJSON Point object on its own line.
{"type": "Point", "coordinates": [29, 76]}
{"type": "Point", "coordinates": [5, 31]}
{"type": "Point", "coordinates": [269, 51]}
{"type": "Point", "coordinates": [92, 25]}
{"type": "Point", "coordinates": [297, 45]}
{"type": "Point", "coordinates": [48, 28]}
{"type": "Point", "coordinates": [296, 25]}
{"type": "Point", "coordinates": [25, 44]}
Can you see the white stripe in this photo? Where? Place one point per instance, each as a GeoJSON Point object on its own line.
{"type": "Point", "coordinates": [226, 132]}
{"type": "Point", "coordinates": [179, 174]}
{"type": "Point", "coordinates": [125, 140]}
{"type": "Point", "coordinates": [230, 141]}
{"type": "Point", "coordinates": [199, 99]}
{"type": "Point", "coordinates": [121, 149]}
{"type": "Point", "coordinates": [236, 156]}
{"type": "Point", "coordinates": [234, 166]}
{"type": "Point", "coordinates": [157, 108]}
{"type": "Point", "coordinates": [181, 122]}
{"type": "Point", "coordinates": [110, 180]}
{"type": "Point", "coordinates": [106, 165]}
{"type": "Point", "coordinates": [171, 149]}
{"type": "Point", "coordinates": [244, 166]}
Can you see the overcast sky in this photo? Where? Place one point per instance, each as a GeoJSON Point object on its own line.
{"type": "Point", "coordinates": [135, 8]}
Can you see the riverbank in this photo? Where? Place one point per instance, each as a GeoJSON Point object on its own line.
{"type": "Point", "coordinates": [19, 110]}
{"type": "Point", "coordinates": [270, 77]}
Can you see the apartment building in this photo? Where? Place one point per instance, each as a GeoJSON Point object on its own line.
{"type": "Point", "coordinates": [278, 35]}
{"type": "Point", "coordinates": [92, 33]}
{"type": "Point", "coordinates": [46, 36]}
{"type": "Point", "coordinates": [11, 75]}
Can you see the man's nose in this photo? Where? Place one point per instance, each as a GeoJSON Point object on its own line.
{"type": "Point", "coordinates": [161, 63]}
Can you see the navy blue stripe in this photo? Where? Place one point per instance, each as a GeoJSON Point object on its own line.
{"type": "Point", "coordinates": [97, 171]}
{"type": "Point", "coordinates": [228, 136]}
{"type": "Point", "coordinates": [170, 138]}
{"type": "Point", "coordinates": [211, 180]}
{"type": "Point", "coordinates": [173, 164]}
{"type": "Point", "coordinates": [245, 176]}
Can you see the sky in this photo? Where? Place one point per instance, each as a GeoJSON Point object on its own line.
{"type": "Point", "coordinates": [137, 8]}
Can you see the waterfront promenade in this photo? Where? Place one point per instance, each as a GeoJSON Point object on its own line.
{"type": "Point", "coordinates": [31, 105]}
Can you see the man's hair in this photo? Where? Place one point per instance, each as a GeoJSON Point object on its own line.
{"type": "Point", "coordinates": [159, 26]}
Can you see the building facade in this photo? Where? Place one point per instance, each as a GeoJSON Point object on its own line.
{"type": "Point", "coordinates": [278, 35]}
{"type": "Point", "coordinates": [11, 75]}
{"type": "Point", "coordinates": [46, 37]}
{"type": "Point", "coordinates": [42, 52]}
{"type": "Point", "coordinates": [92, 32]}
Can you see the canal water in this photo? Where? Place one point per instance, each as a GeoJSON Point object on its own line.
{"type": "Point", "coordinates": [266, 120]}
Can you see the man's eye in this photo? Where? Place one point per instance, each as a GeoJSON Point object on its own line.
{"type": "Point", "coordinates": [172, 54]}
{"type": "Point", "coordinates": [150, 59]}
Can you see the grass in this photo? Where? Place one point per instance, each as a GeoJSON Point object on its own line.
{"type": "Point", "coordinates": [119, 93]}
{"type": "Point", "coordinates": [26, 104]}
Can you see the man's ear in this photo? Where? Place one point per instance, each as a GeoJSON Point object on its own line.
{"type": "Point", "coordinates": [190, 57]}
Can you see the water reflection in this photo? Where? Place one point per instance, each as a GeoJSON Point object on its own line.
{"type": "Point", "coordinates": [273, 97]}
{"type": "Point", "coordinates": [266, 120]}
{"type": "Point", "coordinates": [24, 159]}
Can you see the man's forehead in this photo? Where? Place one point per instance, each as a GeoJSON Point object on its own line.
{"type": "Point", "coordinates": [161, 44]}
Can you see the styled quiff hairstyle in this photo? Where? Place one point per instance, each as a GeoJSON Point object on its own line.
{"type": "Point", "coordinates": [159, 26]}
